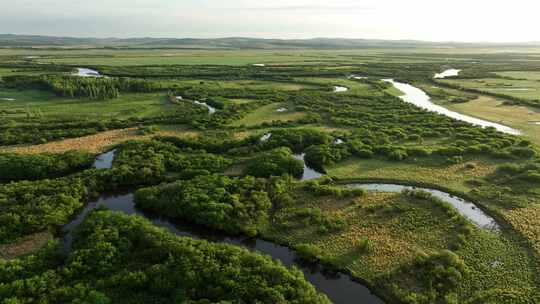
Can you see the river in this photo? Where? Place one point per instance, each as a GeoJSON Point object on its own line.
{"type": "Point", "coordinates": [420, 99]}
{"type": "Point", "coordinates": [340, 288]}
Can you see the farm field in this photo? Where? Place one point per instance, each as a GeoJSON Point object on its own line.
{"type": "Point", "coordinates": [166, 164]}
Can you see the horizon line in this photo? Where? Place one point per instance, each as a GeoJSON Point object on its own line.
{"type": "Point", "coordinates": [274, 38]}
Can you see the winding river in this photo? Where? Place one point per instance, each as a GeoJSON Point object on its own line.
{"type": "Point", "coordinates": [420, 99]}
{"type": "Point", "coordinates": [340, 288]}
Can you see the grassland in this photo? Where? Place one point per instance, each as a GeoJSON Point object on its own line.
{"type": "Point", "coordinates": [518, 117]}
{"type": "Point", "coordinates": [385, 232]}
{"type": "Point", "coordinates": [269, 113]}
{"type": "Point", "coordinates": [100, 142]}
{"type": "Point", "coordinates": [526, 89]}
{"type": "Point", "coordinates": [528, 75]}
{"type": "Point", "coordinates": [28, 245]}
{"type": "Point", "coordinates": [431, 171]}
{"type": "Point", "coordinates": [31, 102]}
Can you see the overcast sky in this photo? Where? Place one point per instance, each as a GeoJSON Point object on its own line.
{"type": "Point", "coordinates": [436, 20]}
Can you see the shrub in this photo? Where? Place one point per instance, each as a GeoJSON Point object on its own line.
{"type": "Point", "coordinates": [275, 163]}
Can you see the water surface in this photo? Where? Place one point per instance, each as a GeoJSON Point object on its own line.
{"type": "Point", "coordinates": [447, 73]}
{"type": "Point", "coordinates": [340, 89]}
{"type": "Point", "coordinates": [211, 110]}
{"type": "Point", "coordinates": [105, 160]}
{"type": "Point", "coordinates": [309, 173]}
{"type": "Point", "coordinates": [266, 137]}
{"type": "Point", "coordinates": [84, 72]}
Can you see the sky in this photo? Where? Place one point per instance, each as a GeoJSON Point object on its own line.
{"type": "Point", "coordinates": [432, 20]}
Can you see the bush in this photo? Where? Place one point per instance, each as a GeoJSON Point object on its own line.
{"type": "Point", "coordinates": [398, 155]}
{"type": "Point", "coordinates": [308, 253]}
{"type": "Point", "coordinates": [234, 205]}
{"type": "Point", "coordinates": [275, 163]}
{"type": "Point", "coordinates": [125, 259]}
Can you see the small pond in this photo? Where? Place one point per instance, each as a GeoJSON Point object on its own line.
{"type": "Point", "coordinates": [84, 72]}
{"type": "Point", "coordinates": [105, 160]}
{"type": "Point", "coordinates": [447, 73]}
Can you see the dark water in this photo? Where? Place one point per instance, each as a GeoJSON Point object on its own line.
{"type": "Point", "coordinates": [105, 160]}
{"type": "Point", "coordinates": [465, 208]}
{"type": "Point", "coordinates": [309, 173]}
{"type": "Point", "coordinates": [338, 287]}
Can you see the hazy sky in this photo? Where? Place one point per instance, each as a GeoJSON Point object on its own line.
{"type": "Point", "coordinates": [437, 20]}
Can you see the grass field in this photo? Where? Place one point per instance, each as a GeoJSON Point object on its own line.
{"type": "Point", "coordinates": [385, 232]}
{"type": "Point", "coordinates": [49, 105]}
{"type": "Point", "coordinates": [100, 142]}
{"type": "Point", "coordinates": [527, 89]}
{"type": "Point", "coordinates": [268, 113]}
{"type": "Point", "coordinates": [134, 57]}
{"type": "Point", "coordinates": [430, 171]}
{"type": "Point", "coordinates": [529, 75]}
{"type": "Point", "coordinates": [517, 117]}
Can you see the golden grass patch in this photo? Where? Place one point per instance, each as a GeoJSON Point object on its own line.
{"type": "Point", "coordinates": [527, 222]}
{"type": "Point", "coordinates": [98, 142]}
{"type": "Point", "coordinates": [29, 244]}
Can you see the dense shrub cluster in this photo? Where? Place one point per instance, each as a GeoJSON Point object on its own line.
{"type": "Point", "coordinates": [31, 167]}
{"type": "Point", "coordinates": [275, 163]}
{"type": "Point", "coordinates": [28, 207]}
{"type": "Point", "coordinates": [296, 139]}
{"type": "Point", "coordinates": [437, 277]}
{"type": "Point", "coordinates": [234, 205]}
{"type": "Point", "coordinates": [88, 87]}
{"type": "Point", "coordinates": [319, 156]}
{"type": "Point", "coordinates": [33, 206]}
{"type": "Point", "coordinates": [122, 259]}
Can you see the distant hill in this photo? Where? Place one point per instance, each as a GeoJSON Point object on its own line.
{"type": "Point", "coordinates": [10, 40]}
